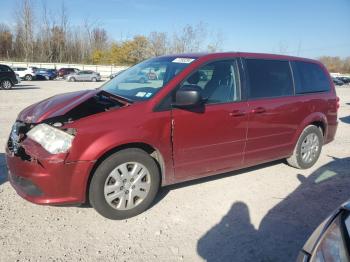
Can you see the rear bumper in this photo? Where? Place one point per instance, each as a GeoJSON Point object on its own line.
{"type": "Point", "coordinates": [331, 131]}
{"type": "Point", "coordinates": [48, 181]}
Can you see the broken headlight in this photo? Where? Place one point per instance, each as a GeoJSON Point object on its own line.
{"type": "Point", "coordinates": [52, 139]}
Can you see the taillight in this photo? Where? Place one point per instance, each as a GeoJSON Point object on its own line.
{"type": "Point", "coordinates": [338, 102]}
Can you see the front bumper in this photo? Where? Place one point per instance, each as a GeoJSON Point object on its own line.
{"type": "Point", "coordinates": [47, 179]}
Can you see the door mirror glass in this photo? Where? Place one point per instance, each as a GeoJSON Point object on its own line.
{"type": "Point", "coordinates": [188, 96]}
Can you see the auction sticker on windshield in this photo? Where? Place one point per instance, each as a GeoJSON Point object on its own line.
{"type": "Point", "coordinates": [183, 60]}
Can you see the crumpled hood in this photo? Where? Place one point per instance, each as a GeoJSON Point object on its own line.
{"type": "Point", "coordinates": [54, 106]}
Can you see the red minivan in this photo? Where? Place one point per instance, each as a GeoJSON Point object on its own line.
{"type": "Point", "coordinates": [203, 114]}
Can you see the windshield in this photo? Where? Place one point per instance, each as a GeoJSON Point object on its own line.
{"type": "Point", "coordinates": [145, 79]}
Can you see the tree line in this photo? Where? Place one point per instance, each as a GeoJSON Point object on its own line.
{"type": "Point", "coordinates": [336, 64]}
{"type": "Point", "coordinates": [52, 38]}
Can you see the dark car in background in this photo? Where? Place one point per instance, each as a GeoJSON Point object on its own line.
{"type": "Point", "coordinates": [45, 74]}
{"type": "Point", "coordinates": [337, 81]}
{"type": "Point", "coordinates": [345, 79]}
{"type": "Point", "coordinates": [330, 240]}
{"type": "Point", "coordinates": [8, 77]}
{"type": "Point", "coordinates": [62, 72]}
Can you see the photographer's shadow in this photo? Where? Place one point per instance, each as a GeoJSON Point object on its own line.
{"type": "Point", "coordinates": [3, 169]}
{"type": "Point", "coordinates": [285, 228]}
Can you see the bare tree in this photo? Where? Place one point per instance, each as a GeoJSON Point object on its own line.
{"type": "Point", "coordinates": [158, 43]}
{"type": "Point", "coordinates": [24, 29]}
{"type": "Point", "coordinates": [190, 39]}
{"type": "Point", "coordinates": [99, 38]}
{"type": "Point", "coordinates": [215, 43]}
{"type": "Point", "coordinates": [5, 41]}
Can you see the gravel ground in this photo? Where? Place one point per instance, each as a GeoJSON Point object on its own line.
{"type": "Point", "coordinates": [263, 213]}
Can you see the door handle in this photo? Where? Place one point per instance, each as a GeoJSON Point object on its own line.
{"type": "Point", "coordinates": [236, 113]}
{"type": "Point", "coordinates": [258, 110]}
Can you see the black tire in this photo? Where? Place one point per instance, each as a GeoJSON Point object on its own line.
{"type": "Point", "coordinates": [296, 159]}
{"type": "Point", "coordinates": [94, 79]}
{"type": "Point", "coordinates": [96, 189]}
{"type": "Point", "coordinates": [6, 84]}
{"type": "Point", "coordinates": [28, 77]}
{"type": "Point", "coordinates": [71, 79]}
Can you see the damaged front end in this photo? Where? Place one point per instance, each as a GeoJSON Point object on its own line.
{"type": "Point", "coordinates": [18, 145]}
{"type": "Point", "coordinates": [36, 152]}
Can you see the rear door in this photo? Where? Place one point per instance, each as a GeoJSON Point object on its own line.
{"type": "Point", "coordinates": [211, 139]}
{"type": "Point", "coordinates": [272, 110]}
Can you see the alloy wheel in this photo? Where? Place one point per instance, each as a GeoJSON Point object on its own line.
{"type": "Point", "coordinates": [310, 148]}
{"type": "Point", "coordinates": [6, 84]}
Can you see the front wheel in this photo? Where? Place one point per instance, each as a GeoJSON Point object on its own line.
{"type": "Point", "coordinates": [6, 84]}
{"type": "Point", "coordinates": [124, 184]}
{"type": "Point", "coordinates": [308, 148]}
{"type": "Point", "coordinates": [94, 79]}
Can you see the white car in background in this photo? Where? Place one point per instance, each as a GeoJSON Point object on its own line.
{"type": "Point", "coordinates": [26, 73]}
{"type": "Point", "coordinates": [84, 75]}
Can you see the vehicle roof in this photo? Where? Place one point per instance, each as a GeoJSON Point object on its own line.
{"type": "Point", "coordinates": [240, 54]}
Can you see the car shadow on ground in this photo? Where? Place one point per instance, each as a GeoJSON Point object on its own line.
{"type": "Point", "coordinates": [165, 190]}
{"type": "Point", "coordinates": [3, 169]}
{"type": "Point", "coordinates": [24, 87]}
{"type": "Point", "coordinates": [285, 228]}
{"type": "Point", "coordinates": [345, 119]}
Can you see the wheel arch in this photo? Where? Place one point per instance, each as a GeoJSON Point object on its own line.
{"type": "Point", "coordinates": [317, 119]}
{"type": "Point", "coordinates": [152, 151]}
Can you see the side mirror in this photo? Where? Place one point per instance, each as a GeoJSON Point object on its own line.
{"type": "Point", "coordinates": [188, 96]}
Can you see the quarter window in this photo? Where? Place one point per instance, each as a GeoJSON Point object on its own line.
{"type": "Point", "coordinates": [309, 78]}
{"type": "Point", "coordinates": [219, 81]}
{"type": "Point", "coordinates": [269, 78]}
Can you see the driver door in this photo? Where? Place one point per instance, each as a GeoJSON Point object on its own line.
{"type": "Point", "coordinates": [211, 139]}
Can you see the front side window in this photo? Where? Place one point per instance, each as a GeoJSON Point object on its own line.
{"type": "Point", "coordinates": [309, 78]}
{"type": "Point", "coordinates": [144, 80]}
{"type": "Point", "coordinates": [219, 81]}
{"type": "Point", "coordinates": [269, 78]}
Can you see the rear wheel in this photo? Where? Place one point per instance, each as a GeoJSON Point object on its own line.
{"type": "Point", "coordinates": [93, 79]}
{"type": "Point", "coordinates": [124, 184]}
{"type": "Point", "coordinates": [28, 77]}
{"type": "Point", "coordinates": [6, 84]}
{"type": "Point", "coordinates": [308, 148]}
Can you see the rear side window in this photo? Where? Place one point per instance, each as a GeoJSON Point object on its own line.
{"type": "Point", "coordinates": [269, 78]}
{"type": "Point", "coordinates": [4, 68]}
{"type": "Point", "coordinates": [309, 78]}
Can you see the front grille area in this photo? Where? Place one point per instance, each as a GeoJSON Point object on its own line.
{"type": "Point", "coordinates": [17, 135]}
